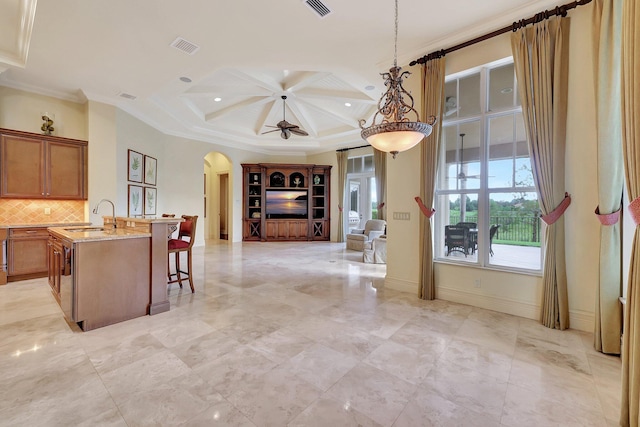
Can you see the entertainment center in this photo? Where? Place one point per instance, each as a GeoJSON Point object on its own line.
{"type": "Point", "coordinates": [285, 202]}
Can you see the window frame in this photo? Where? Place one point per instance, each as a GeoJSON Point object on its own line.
{"type": "Point", "coordinates": [483, 192]}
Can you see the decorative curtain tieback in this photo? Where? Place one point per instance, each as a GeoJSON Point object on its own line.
{"type": "Point", "coordinates": [555, 215]}
{"type": "Point", "coordinates": [381, 205]}
{"type": "Point", "coordinates": [425, 210]}
{"type": "Point", "coordinates": [634, 211]}
{"type": "Point", "coordinates": [339, 208]}
{"type": "Point", "coordinates": [608, 219]}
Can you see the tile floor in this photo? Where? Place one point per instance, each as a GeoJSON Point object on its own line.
{"type": "Point", "coordinates": [297, 334]}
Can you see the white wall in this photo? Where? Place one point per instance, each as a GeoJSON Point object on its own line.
{"type": "Point", "coordinates": [21, 110]}
{"type": "Point", "coordinates": [103, 161]}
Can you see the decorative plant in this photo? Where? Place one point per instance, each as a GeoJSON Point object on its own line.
{"type": "Point", "coordinates": [150, 173]}
{"type": "Point", "coordinates": [135, 164]}
{"type": "Point", "coordinates": [135, 200]}
{"type": "Point", "coordinates": [150, 200]}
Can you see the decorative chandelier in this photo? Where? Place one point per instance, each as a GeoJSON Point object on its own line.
{"type": "Point", "coordinates": [395, 132]}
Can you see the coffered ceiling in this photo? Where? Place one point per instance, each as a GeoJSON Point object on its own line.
{"type": "Point", "coordinates": [216, 70]}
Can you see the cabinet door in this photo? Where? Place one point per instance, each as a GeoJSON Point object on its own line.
{"type": "Point", "coordinates": [65, 171]}
{"type": "Point", "coordinates": [22, 161]}
{"type": "Point", "coordinates": [27, 256]}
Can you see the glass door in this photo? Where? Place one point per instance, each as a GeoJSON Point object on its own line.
{"type": "Point", "coordinates": [362, 204]}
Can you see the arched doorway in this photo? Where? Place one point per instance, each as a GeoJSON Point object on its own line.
{"type": "Point", "coordinates": [217, 198]}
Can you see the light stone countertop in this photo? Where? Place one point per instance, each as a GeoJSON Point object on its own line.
{"type": "Point", "coordinates": [148, 220]}
{"type": "Point", "coordinates": [96, 233]}
{"type": "Point", "coordinates": [45, 225]}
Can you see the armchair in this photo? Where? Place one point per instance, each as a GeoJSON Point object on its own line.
{"type": "Point", "coordinates": [359, 239]}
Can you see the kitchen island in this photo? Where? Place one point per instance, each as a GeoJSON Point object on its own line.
{"type": "Point", "coordinates": [119, 272]}
{"type": "Point", "coordinates": [100, 275]}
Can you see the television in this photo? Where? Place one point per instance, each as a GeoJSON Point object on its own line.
{"type": "Point", "coordinates": [286, 203]}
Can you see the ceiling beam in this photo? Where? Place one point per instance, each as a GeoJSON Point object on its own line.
{"type": "Point", "coordinates": [253, 101]}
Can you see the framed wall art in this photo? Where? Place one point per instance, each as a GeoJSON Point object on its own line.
{"type": "Point", "coordinates": [150, 200]}
{"type": "Point", "coordinates": [136, 201]}
{"type": "Point", "coordinates": [150, 170]}
{"type": "Point", "coordinates": [135, 166]}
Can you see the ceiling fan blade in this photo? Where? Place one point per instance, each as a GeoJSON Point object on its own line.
{"type": "Point", "coordinates": [298, 131]}
{"type": "Point", "coordinates": [269, 131]}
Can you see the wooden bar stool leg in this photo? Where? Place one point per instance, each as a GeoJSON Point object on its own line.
{"type": "Point", "coordinates": [190, 271]}
{"type": "Point", "coordinates": [168, 269]}
{"type": "Point", "coordinates": [178, 278]}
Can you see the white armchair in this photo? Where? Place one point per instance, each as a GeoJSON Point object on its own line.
{"type": "Point", "coordinates": [359, 239]}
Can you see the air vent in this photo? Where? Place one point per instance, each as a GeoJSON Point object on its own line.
{"type": "Point", "coordinates": [126, 95]}
{"type": "Point", "coordinates": [185, 46]}
{"type": "Point", "coordinates": [318, 7]}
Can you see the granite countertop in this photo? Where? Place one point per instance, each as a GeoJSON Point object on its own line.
{"type": "Point", "coordinates": [47, 225]}
{"type": "Point", "coordinates": [96, 233]}
{"type": "Point", "coordinates": [148, 220]}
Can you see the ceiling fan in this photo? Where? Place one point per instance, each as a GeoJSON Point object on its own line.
{"type": "Point", "coordinates": [286, 128]}
{"type": "Point", "coordinates": [461, 175]}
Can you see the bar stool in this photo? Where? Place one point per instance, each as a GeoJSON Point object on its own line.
{"type": "Point", "coordinates": [176, 246]}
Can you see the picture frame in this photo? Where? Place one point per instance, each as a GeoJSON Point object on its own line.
{"type": "Point", "coordinates": [150, 170]}
{"type": "Point", "coordinates": [135, 201]}
{"type": "Point", "coordinates": [135, 166]}
{"type": "Point", "coordinates": [150, 200]}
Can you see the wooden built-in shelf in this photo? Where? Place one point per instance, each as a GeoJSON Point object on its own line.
{"type": "Point", "coordinates": [286, 202]}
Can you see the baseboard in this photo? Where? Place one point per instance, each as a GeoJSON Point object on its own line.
{"type": "Point", "coordinates": [582, 320]}
{"type": "Point", "coordinates": [401, 285]}
{"type": "Point", "coordinates": [490, 302]}
{"type": "Point", "coordinates": [578, 319]}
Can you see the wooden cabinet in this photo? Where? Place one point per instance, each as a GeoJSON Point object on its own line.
{"type": "Point", "coordinates": [286, 202]}
{"type": "Point", "coordinates": [55, 265]}
{"type": "Point", "coordinates": [27, 253]}
{"type": "Point", "coordinates": [42, 167]}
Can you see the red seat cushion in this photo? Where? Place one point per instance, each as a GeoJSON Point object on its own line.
{"type": "Point", "coordinates": [178, 244]}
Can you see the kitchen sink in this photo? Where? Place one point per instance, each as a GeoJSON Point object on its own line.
{"type": "Point", "coordinates": [84, 229]}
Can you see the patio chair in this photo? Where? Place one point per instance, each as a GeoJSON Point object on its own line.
{"type": "Point", "coordinates": [473, 234]}
{"type": "Point", "coordinates": [456, 239]}
{"type": "Point", "coordinates": [492, 232]}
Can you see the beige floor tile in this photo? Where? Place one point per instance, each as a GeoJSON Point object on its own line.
{"type": "Point", "coordinates": [379, 395]}
{"type": "Point", "coordinates": [321, 365]}
{"type": "Point", "coordinates": [299, 334]}
{"type": "Point", "coordinates": [326, 411]}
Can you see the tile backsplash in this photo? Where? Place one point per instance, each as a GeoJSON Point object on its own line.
{"type": "Point", "coordinates": [27, 211]}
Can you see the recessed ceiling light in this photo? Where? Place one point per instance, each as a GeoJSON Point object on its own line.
{"type": "Point", "coordinates": [370, 87]}
{"type": "Point", "coordinates": [347, 104]}
{"type": "Point", "coordinates": [506, 90]}
{"type": "Point", "coordinates": [218, 99]}
{"type": "Point", "coordinates": [185, 79]}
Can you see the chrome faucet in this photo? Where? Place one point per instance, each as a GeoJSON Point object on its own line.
{"type": "Point", "coordinates": [113, 210]}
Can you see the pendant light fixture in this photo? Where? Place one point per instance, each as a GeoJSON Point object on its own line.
{"type": "Point", "coordinates": [395, 132]}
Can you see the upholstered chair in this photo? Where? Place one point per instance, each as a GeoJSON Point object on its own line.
{"type": "Point", "coordinates": [359, 238]}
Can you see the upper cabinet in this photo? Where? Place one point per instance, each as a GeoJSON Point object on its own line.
{"type": "Point", "coordinates": [37, 166]}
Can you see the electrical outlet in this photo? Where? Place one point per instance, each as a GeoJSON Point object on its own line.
{"type": "Point", "coordinates": [476, 283]}
{"type": "Point", "coordinates": [47, 211]}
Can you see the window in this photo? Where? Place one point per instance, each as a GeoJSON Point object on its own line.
{"type": "Point", "coordinates": [486, 200]}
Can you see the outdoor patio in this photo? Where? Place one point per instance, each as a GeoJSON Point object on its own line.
{"type": "Point", "coordinates": [526, 257]}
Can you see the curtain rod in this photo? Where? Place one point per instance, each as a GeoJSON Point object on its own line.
{"type": "Point", "coordinates": [352, 148]}
{"type": "Point", "coordinates": [539, 17]}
